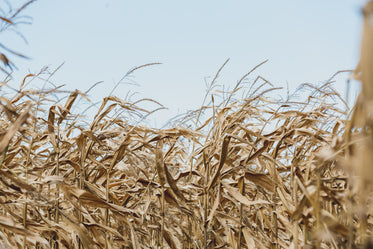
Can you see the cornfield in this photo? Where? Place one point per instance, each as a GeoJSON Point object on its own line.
{"type": "Point", "coordinates": [240, 172]}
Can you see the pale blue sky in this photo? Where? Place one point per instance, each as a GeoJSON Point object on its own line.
{"type": "Point", "coordinates": [100, 40]}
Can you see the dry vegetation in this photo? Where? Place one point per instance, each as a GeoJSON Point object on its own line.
{"type": "Point", "coordinates": [248, 172]}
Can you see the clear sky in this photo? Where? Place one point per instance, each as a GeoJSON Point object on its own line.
{"type": "Point", "coordinates": [100, 40]}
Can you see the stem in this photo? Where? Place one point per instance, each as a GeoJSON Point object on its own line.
{"type": "Point", "coordinates": [241, 185]}
{"type": "Point", "coordinates": [58, 173]}
{"type": "Point", "coordinates": [274, 220]}
{"type": "Point", "coordinates": [107, 210]}
{"type": "Point", "coordinates": [162, 213]}
{"type": "Point", "coordinates": [206, 202]}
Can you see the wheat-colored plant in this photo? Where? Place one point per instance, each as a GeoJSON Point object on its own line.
{"type": "Point", "coordinates": [243, 171]}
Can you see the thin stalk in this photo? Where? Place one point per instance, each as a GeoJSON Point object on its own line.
{"type": "Point", "coordinates": [241, 185]}
{"type": "Point", "coordinates": [305, 232]}
{"type": "Point", "coordinates": [81, 185]}
{"type": "Point", "coordinates": [296, 234]}
{"type": "Point", "coordinates": [296, 226]}
{"type": "Point", "coordinates": [206, 202]}
{"type": "Point", "coordinates": [318, 207]}
{"type": "Point", "coordinates": [274, 220]}
{"type": "Point", "coordinates": [57, 214]}
{"type": "Point", "coordinates": [162, 213]}
{"type": "Point", "coordinates": [107, 220]}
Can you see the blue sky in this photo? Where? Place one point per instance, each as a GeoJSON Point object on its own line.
{"type": "Point", "coordinates": [100, 40]}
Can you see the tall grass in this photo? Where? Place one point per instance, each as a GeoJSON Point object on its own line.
{"type": "Point", "coordinates": [240, 172]}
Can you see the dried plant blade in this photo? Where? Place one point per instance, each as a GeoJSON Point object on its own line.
{"type": "Point", "coordinates": [13, 129]}
{"type": "Point", "coordinates": [223, 156]}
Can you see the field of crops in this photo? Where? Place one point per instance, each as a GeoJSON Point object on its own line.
{"type": "Point", "coordinates": [245, 170]}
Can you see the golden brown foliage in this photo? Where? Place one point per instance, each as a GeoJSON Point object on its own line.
{"type": "Point", "coordinates": [254, 173]}
{"type": "Point", "coordinates": [257, 173]}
